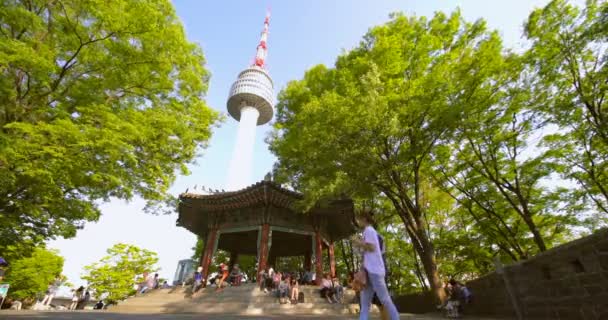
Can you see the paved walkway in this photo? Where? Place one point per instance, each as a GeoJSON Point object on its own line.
{"type": "Point", "coordinates": [88, 315]}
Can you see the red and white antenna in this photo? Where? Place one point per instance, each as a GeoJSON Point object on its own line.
{"type": "Point", "coordinates": [262, 49]}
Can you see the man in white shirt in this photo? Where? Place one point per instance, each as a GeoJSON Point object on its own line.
{"type": "Point", "coordinates": [374, 266]}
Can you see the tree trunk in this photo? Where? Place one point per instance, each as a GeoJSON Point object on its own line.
{"type": "Point", "coordinates": [344, 257]}
{"type": "Point", "coordinates": [418, 272]}
{"type": "Point", "coordinates": [538, 238]}
{"type": "Point", "coordinates": [415, 228]}
{"type": "Point", "coordinates": [427, 257]}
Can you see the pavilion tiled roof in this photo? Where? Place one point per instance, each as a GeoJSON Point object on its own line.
{"type": "Point", "coordinates": [266, 192]}
{"type": "Point", "coordinates": [195, 209]}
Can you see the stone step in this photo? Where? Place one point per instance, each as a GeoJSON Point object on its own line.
{"type": "Point", "coordinates": [245, 300]}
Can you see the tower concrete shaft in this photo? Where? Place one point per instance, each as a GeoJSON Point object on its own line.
{"type": "Point", "coordinates": [251, 102]}
{"type": "Point", "coordinates": [239, 174]}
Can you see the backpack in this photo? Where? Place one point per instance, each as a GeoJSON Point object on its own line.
{"type": "Point", "coordinates": [382, 251]}
{"type": "Point", "coordinates": [301, 297]}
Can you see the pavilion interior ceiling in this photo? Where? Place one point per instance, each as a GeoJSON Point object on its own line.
{"type": "Point", "coordinates": [285, 244]}
{"type": "Point", "coordinates": [244, 242]}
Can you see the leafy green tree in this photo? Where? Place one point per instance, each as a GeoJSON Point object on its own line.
{"type": "Point", "coordinates": [569, 54]}
{"type": "Point", "coordinates": [198, 248]}
{"type": "Point", "coordinates": [31, 276]}
{"type": "Point", "coordinates": [370, 125]}
{"type": "Point", "coordinates": [97, 100]}
{"type": "Point", "coordinates": [497, 173]}
{"type": "Point", "coordinates": [118, 272]}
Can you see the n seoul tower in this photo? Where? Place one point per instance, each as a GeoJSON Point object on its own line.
{"type": "Point", "coordinates": [251, 103]}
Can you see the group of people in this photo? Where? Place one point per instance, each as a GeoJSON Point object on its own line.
{"type": "Point", "coordinates": [331, 289]}
{"type": "Point", "coordinates": [223, 277]}
{"type": "Point", "coordinates": [458, 296]}
{"type": "Point", "coordinates": [151, 281]}
{"type": "Point", "coordinates": [284, 285]}
{"type": "Point", "coordinates": [80, 298]}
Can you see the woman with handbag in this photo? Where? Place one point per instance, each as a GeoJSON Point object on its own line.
{"type": "Point", "coordinates": [373, 270]}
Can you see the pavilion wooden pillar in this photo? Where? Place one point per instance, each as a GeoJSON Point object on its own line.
{"type": "Point", "coordinates": [208, 253]}
{"type": "Point", "coordinates": [332, 259]}
{"type": "Point", "coordinates": [318, 257]}
{"type": "Point", "coordinates": [263, 250]}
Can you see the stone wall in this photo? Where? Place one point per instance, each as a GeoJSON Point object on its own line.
{"type": "Point", "coordinates": [422, 302]}
{"type": "Point", "coordinates": [567, 282]}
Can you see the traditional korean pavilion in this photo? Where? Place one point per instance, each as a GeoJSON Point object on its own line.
{"type": "Point", "coordinates": [263, 220]}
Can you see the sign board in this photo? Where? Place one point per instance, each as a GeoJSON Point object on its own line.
{"type": "Point", "coordinates": [3, 290]}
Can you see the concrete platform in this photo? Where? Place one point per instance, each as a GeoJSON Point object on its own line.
{"type": "Point", "coordinates": [105, 315]}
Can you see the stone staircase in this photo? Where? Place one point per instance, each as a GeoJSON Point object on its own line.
{"type": "Point", "coordinates": [246, 299]}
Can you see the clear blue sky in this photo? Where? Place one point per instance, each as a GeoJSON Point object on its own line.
{"type": "Point", "coordinates": [302, 34]}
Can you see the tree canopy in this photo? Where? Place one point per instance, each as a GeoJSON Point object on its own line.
{"type": "Point", "coordinates": [473, 146]}
{"type": "Point", "coordinates": [370, 125]}
{"type": "Point", "coordinates": [569, 54]}
{"type": "Point", "coordinates": [97, 100]}
{"type": "Point", "coordinates": [118, 272]}
{"type": "Point", "coordinates": [31, 276]}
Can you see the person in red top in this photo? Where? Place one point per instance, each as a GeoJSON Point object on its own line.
{"type": "Point", "coordinates": [224, 273]}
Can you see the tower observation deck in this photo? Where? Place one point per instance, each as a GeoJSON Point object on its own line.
{"type": "Point", "coordinates": [253, 88]}
{"type": "Point", "coordinates": [251, 102]}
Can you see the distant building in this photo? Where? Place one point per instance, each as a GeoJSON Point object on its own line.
{"type": "Point", "coordinates": [185, 269]}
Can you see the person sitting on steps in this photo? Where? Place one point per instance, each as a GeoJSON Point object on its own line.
{"type": "Point", "coordinates": [283, 289]}
{"type": "Point", "coordinates": [224, 275]}
{"type": "Point", "coordinates": [198, 279]}
{"type": "Point", "coordinates": [294, 290]}
{"type": "Point", "coordinates": [276, 279]}
{"type": "Point", "coordinates": [235, 275]}
{"type": "Point", "coordinates": [338, 289]}
{"type": "Point", "coordinates": [327, 289]}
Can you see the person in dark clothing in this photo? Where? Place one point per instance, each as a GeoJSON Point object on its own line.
{"type": "Point", "coordinates": [98, 305]}
{"type": "Point", "coordinates": [83, 301]}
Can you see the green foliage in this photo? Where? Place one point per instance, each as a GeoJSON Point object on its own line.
{"type": "Point", "coordinates": [499, 177]}
{"type": "Point", "coordinates": [198, 248]}
{"type": "Point", "coordinates": [248, 265]}
{"type": "Point", "coordinates": [370, 125]}
{"type": "Point", "coordinates": [31, 276]}
{"type": "Point", "coordinates": [118, 272]}
{"type": "Point", "coordinates": [437, 119]}
{"type": "Point", "coordinates": [97, 99]}
{"type": "Point", "coordinates": [570, 56]}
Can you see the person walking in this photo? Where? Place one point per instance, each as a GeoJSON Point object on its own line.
{"type": "Point", "coordinates": [51, 291]}
{"type": "Point", "coordinates": [84, 300]}
{"type": "Point", "coordinates": [78, 294]}
{"type": "Point", "coordinates": [373, 265]}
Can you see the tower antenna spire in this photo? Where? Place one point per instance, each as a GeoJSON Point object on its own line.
{"type": "Point", "coordinates": [262, 49]}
